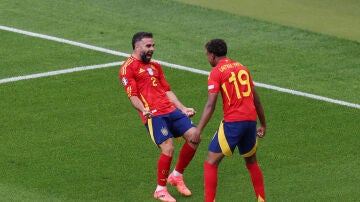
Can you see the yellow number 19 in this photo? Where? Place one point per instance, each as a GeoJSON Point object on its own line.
{"type": "Point", "coordinates": [245, 81]}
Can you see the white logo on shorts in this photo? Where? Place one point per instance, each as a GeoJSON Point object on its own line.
{"type": "Point", "coordinates": [164, 131]}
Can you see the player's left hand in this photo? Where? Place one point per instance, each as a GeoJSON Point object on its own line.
{"type": "Point", "coordinates": [189, 111]}
{"type": "Point", "coordinates": [261, 131]}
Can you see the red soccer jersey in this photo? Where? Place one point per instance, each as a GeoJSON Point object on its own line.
{"type": "Point", "coordinates": [147, 82]}
{"type": "Point", "coordinates": [234, 82]}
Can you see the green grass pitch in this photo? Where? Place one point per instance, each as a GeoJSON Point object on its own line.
{"type": "Point", "coordinates": [75, 137]}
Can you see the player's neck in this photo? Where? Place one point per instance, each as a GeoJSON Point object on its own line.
{"type": "Point", "coordinates": [136, 56]}
{"type": "Point", "coordinates": [218, 59]}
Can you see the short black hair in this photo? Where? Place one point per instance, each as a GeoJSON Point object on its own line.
{"type": "Point", "coordinates": [217, 47]}
{"type": "Point", "coordinates": [139, 36]}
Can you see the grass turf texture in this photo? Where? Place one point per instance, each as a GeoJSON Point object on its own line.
{"type": "Point", "coordinates": [75, 137]}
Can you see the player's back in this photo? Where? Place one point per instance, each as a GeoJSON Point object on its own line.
{"type": "Point", "coordinates": [236, 90]}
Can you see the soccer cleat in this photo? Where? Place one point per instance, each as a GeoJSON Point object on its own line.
{"type": "Point", "coordinates": [163, 195]}
{"type": "Point", "coordinates": [260, 199]}
{"type": "Point", "coordinates": [179, 183]}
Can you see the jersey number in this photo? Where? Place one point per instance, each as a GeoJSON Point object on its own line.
{"type": "Point", "coordinates": [236, 80]}
{"type": "Point", "coordinates": [153, 79]}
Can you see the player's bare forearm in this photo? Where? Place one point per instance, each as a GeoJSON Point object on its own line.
{"type": "Point", "coordinates": [259, 108]}
{"type": "Point", "coordinates": [171, 95]}
{"type": "Point", "coordinates": [205, 118]}
{"type": "Point", "coordinates": [261, 115]}
{"type": "Point", "coordinates": [176, 102]}
{"type": "Point", "coordinates": [208, 111]}
{"type": "Point", "coordinates": [137, 104]}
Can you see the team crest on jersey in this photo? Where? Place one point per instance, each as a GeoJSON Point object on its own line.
{"type": "Point", "coordinates": [150, 71]}
{"type": "Point", "coordinates": [164, 131]}
{"type": "Point", "coordinates": [124, 81]}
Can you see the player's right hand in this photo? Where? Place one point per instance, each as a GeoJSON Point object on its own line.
{"type": "Point", "coordinates": [189, 112]}
{"type": "Point", "coordinates": [147, 113]}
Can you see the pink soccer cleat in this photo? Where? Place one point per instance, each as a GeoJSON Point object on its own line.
{"type": "Point", "coordinates": [163, 195]}
{"type": "Point", "coordinates": [179, 183]}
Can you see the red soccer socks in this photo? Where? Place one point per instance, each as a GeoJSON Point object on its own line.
{"type": "Point", "coordinates": [210, 181]}
{"type": "Point", "coordinates": [164, 163]}
{"type": "Point", "coordinates": [186, 155]}
{"type": "Point", "coordinates": [211, 178]}
{"type": "Point", "coordinates": [257, 180]}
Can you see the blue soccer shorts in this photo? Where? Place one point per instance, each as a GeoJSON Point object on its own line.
{"type": "Point", "coordinates": [231, 134]}
{"type": "Point", "coordinates": [163, 127]}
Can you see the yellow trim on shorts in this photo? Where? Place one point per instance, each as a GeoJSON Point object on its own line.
{"type": "Point", "coordinates": [151, 132]}
{"type": "Point", "coordinates": [223, 142]}
{"type": "Point", "coordinates": [252, 151]}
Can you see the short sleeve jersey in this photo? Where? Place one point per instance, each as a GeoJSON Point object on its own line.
{"type": "Point", "coordinates": [147, 82]}
{"type": "Point", "coordinates": [234, 82]}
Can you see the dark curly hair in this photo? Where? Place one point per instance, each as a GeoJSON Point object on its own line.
{"type": "Point", "coordinates": [217, 47]}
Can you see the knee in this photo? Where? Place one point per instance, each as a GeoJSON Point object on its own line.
{"type": "Point", "coordinates": [214, 158]}
{"type": "Point", "coordinates": [168, 150]}
{"type": "Point", "coordinates": [250, 159]}
{"type": "Point", "coordinates": [211, 161]}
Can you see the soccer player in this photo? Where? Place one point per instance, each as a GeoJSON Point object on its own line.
{"type": "Point", "coordinates": [241, 106]}
{"type": "Point", "coordinates": [164, 116]}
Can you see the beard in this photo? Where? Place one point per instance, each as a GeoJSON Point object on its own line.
{"type": "Point", "coordinates": [146, 56]}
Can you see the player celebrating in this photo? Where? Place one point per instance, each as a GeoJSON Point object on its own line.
{"type": "Point", "coordinates": [241, 105]}
{"type": "Point", "coordinates": [162, 113]}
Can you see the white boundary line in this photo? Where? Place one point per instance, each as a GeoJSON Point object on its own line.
{"type": "Point", "coordinates": [74, 43]}
{"type": "Point", "coordinates": [57, 72]}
